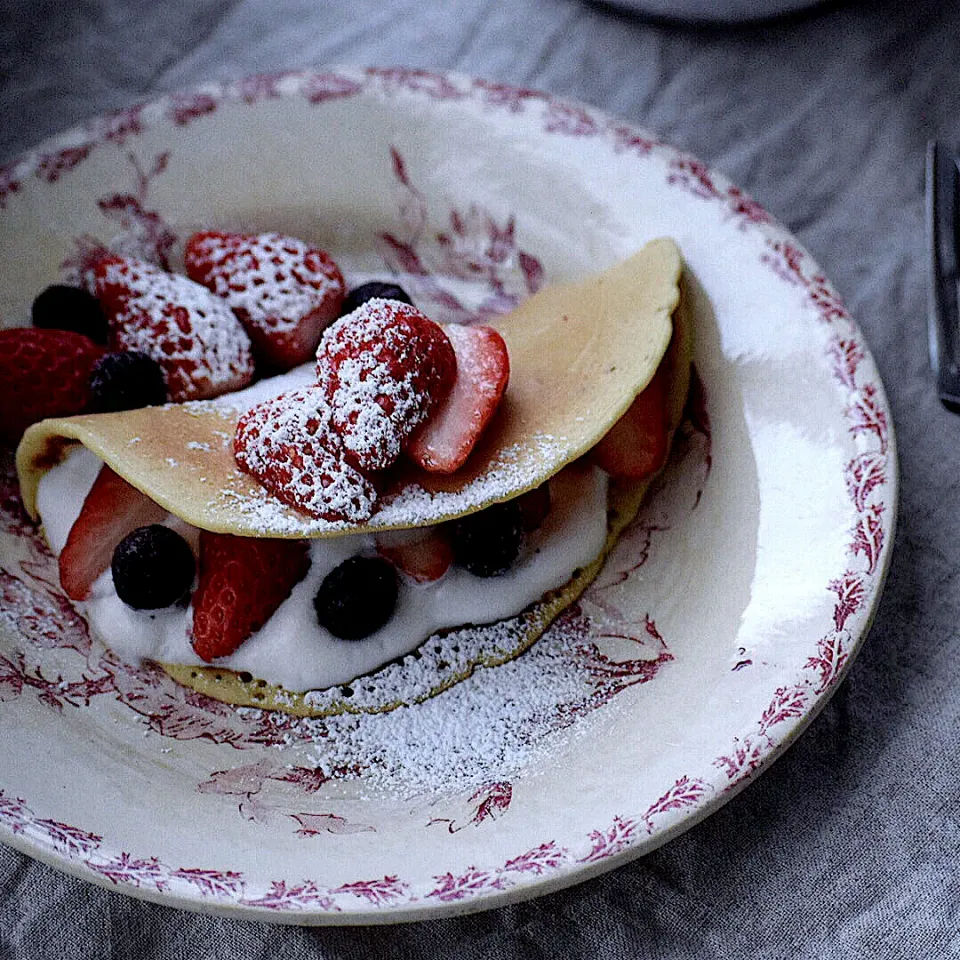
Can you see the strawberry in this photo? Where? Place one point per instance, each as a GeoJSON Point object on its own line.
{"type": "Point", "coordinates": [636, 445]}
{"type": "Point", "coordinates": [243, 580]}
{"type": "Point", "coordinates": [483, 370]}
{"type": "Point", "coordinates": [288, 444]}
{"type": "Point", "coordinates": [384, 368]}
{"type": "Point", "coordinates": [194, 336]}
{"type": "Point", "coordinates": [112, 509]}
{"type": "Point", "coordinates": [43, 373]}
{"type": "Point", "coordinates": [284, 291]}
{"type": "Point", "coordinates": [424, 554]}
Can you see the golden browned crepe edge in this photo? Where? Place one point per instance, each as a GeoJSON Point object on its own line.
{"type": "Point", "coordinates": [624, 500]}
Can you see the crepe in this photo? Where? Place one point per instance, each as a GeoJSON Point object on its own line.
{"type": "Point", "coordinates": [579, 354]}
{"type": "Point", "coordinates": [624, 500]}
{"type": "Point", "coordinates": [615, 328]}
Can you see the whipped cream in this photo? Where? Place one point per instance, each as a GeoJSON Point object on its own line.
{"type": "Point", "coordinates": [292, 649]}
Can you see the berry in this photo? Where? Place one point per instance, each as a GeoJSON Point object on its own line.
{"type": "Point", "coordinates": [446, 440]}
{"type": "Point", "coordinates": [152, 568]}
{"type": "Point", "coordinates": [112, 509]}
{"type": "Point", "coordinates": [288, 444]}
{"type": "Point", "coordinates": [487, 543]}
{"type": "Point", "coordinates": [69, 308]}
{"type": "Point", "coordinates": [636, 446]}
{"type": "Point", "coordinates": [384, 368]}
{"type": "Point", "coordinates": [374, 290]}
{"type": "Point", "coordinates": [243, 580]}
{"type": "Point", "coordinates": [126, 381]}
{"type": "Point", "coordinates": [284, 291]}
{"type": "Point", "coordinates": [534, 507]}
{"type": "Point", "coordinates": [43, 373]}
{"type": "Point", "coordinates": [194, 336]}
{"type": "Point", "coordinates": [357, 598]}
{"type": "Point", "coordinates": [425, 555]}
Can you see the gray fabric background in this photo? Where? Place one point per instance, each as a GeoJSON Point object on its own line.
{"type": "Point", "coordinates": [848, 846]}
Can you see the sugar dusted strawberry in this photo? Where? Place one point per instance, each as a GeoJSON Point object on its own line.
{"type": "Point", "coordinates": [384, 368]}
{"type": "Point", "coordinates": [194, 336]}
{"type": "Point", "coordinates": [637, 445]}
{"type": "Point", "coordinates": [288, 444]}
{"type": "Point", "coordinates": [43, 373]}
{"type": "Point", "coordinates": [112, 510]}
{"type": "Point", "coordinates": [445, 442]}
{"type": "Point", "coordinates": [243, 580]}
{"type": "Point", "coordinates": [284, 291]}
{"type": "Point", "coordinates": [425, 555]}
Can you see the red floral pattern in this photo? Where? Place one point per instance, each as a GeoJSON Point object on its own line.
{"type": "Point", "coordinates": [702, 182]}
{"type": "Point", "coordinates": [497, 265]}
{"type": "Point", "coordinates": [9, 183]}
{"type": "Point", "coordinates": [52, 166]}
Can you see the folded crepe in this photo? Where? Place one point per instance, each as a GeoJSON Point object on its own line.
{"type": "Point", "coordinates": [580, 353]}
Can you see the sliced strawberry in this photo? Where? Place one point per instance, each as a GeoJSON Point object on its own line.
{"type": "Point", "coordinates": [43, 373]}
{"type": "Point", "coordinates": [284, 291]}
{"type": "Point", "coordinates": [384, 368]}
{"type": "Point", "coordinates": [444, 443]}
{"type": "Point", "coordinates": [288, 444]}
{"type": "Point", "coordinates": [637, 444]}
{"type": "Point", "coordinates": [424, 555]}
{"type": "Point", "coordinates": [194, 336]}
{"type": "Point", "coordinates": [112, 509]}
{"type": "Point", "coordinates": [534, 507]}
{"type": "Point", "coordinates": [243, 580]}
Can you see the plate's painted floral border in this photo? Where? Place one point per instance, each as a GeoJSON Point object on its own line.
{"type": "Point", "coordinates": [871, 482]}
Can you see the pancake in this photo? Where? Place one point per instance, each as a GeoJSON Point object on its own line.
{"type": "Point", "coordinates": [585, 325]}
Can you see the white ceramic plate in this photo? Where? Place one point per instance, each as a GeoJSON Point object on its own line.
{"type": "Point", "coordinates": [726, 618]}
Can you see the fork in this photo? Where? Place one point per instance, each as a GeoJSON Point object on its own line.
{"type": "Point", "coordinates": [943, 219]}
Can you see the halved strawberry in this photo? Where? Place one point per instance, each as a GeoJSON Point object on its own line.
{"type": "Point", "coordinates": [637, 444]}
{"type": "Point", "coordinates": [194, 336]}
{"type": "Point", "coordinates": [43, 373]}
{"type": "Point", "coordinates": [384, 368]}
{"type": "Point", "coordinates": [445, 442]}
{"type": "Point", "coordinates": [424, 554]}
{"type": "Point", "coordinates": [243, 580]}
{"type": "Point", "coordinates": [112, 509]}
{"type": "Point", "coordinates": [284, 291]}
{"type": "Point", "coordinates": [288, 444]}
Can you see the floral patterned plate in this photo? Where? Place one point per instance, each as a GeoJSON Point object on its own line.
{"type": "Point", "coordinates": [726, 617]}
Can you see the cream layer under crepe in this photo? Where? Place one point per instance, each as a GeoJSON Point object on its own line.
{"type": "Point", "coordinates": [580, 354]}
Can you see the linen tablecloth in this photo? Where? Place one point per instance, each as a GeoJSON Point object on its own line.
{"type": "Point", "coordinates": [848, 846]}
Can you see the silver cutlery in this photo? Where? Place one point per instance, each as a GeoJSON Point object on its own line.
{"type": "Point", "coordinates": [943, 219]}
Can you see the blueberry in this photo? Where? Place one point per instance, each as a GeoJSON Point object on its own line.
{"type": "Point", "coordinates": [357, 598]}
{"type": "Point", "coordinates": [152, 568]}
{"type": "Point", "coordinates": [126, 381]}
{"type": "Point", "coordinates": [368, 291]}
{"type": "Point", "coordinates": [70, 308]}
{"type": "Point", "coordinates": [487, 543]}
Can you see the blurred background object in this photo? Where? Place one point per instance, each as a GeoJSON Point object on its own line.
{"type": "Point", "coordinates": [716, 11]}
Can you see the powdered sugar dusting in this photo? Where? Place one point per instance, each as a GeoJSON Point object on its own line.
{"type": "Point", "coordinates": [508, 718]}
{"type": "Point", "coordinates": [284, 291]}
{"type": "Point", "coordinates": [384, 367]}
{"type": "Point", "coordinates": [272, 281]}
{"type": "Point", "coordinates": [290, 446]}
{"type": "Point", "coordinates": [412, 506]}
{"type": "Point", "coordinates": [194, 336]}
